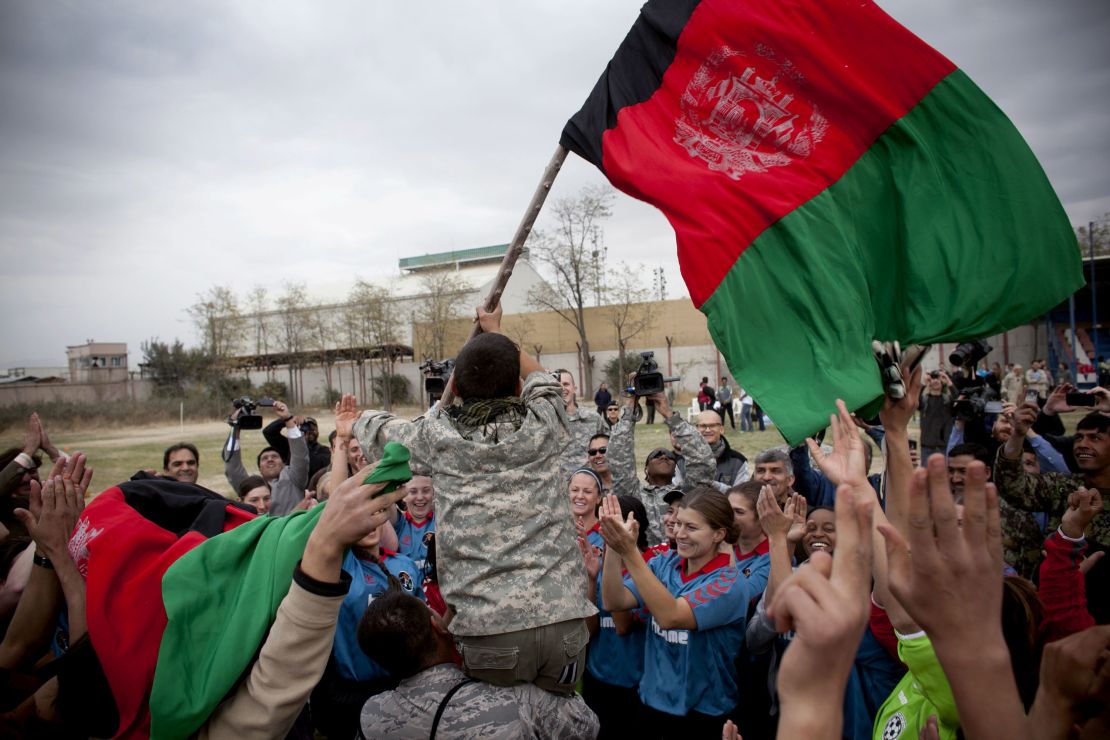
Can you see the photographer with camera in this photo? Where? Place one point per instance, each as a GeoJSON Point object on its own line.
{"type": "Point", "coordinates": [936, 414]}
{"type": "Point", "coordinates": [319, 456]}
{"type": "Point", "coordinates": [287, 482]}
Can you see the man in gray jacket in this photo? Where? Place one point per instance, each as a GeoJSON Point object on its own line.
{"type": "Point", "coordinates": [287, 482]}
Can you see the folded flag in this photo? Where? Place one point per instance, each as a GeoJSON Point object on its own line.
{"type": "Point", "coordinates": [831, 180]}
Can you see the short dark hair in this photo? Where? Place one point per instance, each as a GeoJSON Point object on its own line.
{"type": "Point", "coordinates": [250, 483]}
{"type": "Point", "coordinates": [599, 435]}
{"type": "Point", "coordinates": [177, 448]}
{"type": "Point", "coordinates": [715, 508]}
{"type": "Point", "coordinates": [1095, 421]}
{"type": "Point", "coordinates": [258, 460]}
{"type": "Point", "coordinates": [395, 632]}
{"type": "Point", "coordinates": [488, 366]}
{"type": "Point", "coordinates": [979, 452]}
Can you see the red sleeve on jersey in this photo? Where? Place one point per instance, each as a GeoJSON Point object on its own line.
{"type": "Point", "coordinates": [1062, 589]}
{"type": "Point", "coordinates": [883, 630]}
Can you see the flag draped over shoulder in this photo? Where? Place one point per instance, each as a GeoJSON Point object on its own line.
{"type": "Point", "coordinates": [181, 587]}
{"type": "Point", "coordinates": [831, 180]}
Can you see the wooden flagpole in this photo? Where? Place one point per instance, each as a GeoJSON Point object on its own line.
{"type": "Point", "coordinates": [516, 246]}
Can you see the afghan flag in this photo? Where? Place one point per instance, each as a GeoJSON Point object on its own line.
{"type": "Point", "coordinates": [182, 586]}
{"type": "Point", "coordinates": [831, 180]}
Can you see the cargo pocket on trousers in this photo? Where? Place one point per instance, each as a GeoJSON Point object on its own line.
{"type": "Point", "coordinates": [481, 658]}
{"type": "Point", "coordinates": [575, 642]}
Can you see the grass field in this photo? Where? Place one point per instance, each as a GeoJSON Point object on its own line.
{"type": "Point", "coordinates": [116, 453]}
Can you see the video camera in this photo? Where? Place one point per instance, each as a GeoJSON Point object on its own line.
{"type": "Point", "coordinates": [979, 399]}
{"type": "Point", "coordinates": [648, 380]}
{"type": "Point", "coordinates": [248, 417]}
{"type": "Point", "coordinates": [436, 373]}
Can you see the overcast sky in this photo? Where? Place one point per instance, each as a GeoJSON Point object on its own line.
{"type": "Point", "coordinates": [149, 150]}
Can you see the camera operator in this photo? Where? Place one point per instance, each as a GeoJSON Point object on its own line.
{"type": "Point", "coordinates": [319, 456]}
{"type": "Point", "coordinates": [936, 414]}
{"type": "Point", "coordinates": [287, 482]}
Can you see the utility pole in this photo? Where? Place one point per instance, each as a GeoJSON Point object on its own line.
{"type": "Point", "coordinates": [1094, 294]}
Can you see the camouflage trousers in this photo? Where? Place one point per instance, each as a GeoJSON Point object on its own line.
{"type": "Point", "coordinates": [552, 656]}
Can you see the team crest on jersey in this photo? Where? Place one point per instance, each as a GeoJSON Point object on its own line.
{"type": "Point", "coordinates": [428, 537]}
{"type": "Point", "coordinates": [741, 113]}
{"type": "Point", "coordinates": [747, 572]}
{"type": "Point", "coordinates": [406, 580]}
{"type": "Point", "coordinates": [894, 727]}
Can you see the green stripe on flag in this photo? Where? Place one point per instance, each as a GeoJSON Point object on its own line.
{"type": "Point", "coordinates": [945, 229]}
{"type": "Point", "coordinates": [220, 599]}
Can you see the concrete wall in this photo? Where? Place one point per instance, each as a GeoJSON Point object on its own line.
{"type": "Point", "coordinates": [75, 392]}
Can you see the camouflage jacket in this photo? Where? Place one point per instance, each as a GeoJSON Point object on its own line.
{"type": "Point", "coordinates": [476, 710]}
{"type": "Point", "coordinates": [1023, 493]}
{"type": "Point", "coordinates": [700, 468]}
{"type": "Point", "coordinates": [505, 541]}
{"type": "Point", "coordinates": [582, 424]}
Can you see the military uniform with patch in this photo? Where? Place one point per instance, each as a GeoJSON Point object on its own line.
{"type": "Point", "coordinates": [508, 563]}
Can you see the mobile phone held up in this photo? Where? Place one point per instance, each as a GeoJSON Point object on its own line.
{"type": "Point", "coordinates": [1080, 399]}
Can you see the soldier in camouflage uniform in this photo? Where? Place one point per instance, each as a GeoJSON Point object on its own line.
{"type": "Point", "coordinates": [582, 423]}
{"type": "Point", "coordinates": [659, 468]}
{"type": "Point", "coordinates": [1022, 537]}
{"type": "Point", "coordinates": [508, 563]}
{"type": "Point", "coordinates": [399, 632]}
{"type": "Point", "coordinates": [1048, 492]}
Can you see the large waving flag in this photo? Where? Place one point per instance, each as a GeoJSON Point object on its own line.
{"type": "Point", "coordinates": [831, 180]}
{"type": "Point", "coordinates": [182, 587]}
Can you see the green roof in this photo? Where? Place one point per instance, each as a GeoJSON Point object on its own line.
{"type": "Point", "coordinates": [474, 254]}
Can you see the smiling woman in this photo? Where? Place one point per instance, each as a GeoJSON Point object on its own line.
{"type": "Point", "coordinates": [698, 606]}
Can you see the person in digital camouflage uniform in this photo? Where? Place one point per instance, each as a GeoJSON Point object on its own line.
{"type": "Point", "coordinates": [659, 468]}
{"type": "Point", "coordinates": [400, 632]}
{"type": "Point", "coordinates": [582, 423]}
{"type": "Point", "coordinates": [509, 568]}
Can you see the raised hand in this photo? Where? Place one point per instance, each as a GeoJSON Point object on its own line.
{"type": "Point", "coordinates": [1075, 675]}
{"type": "Point", "coordinates": [847, 463]}
{"type": "Point", "coordinates": [32, 435]}
{"type": "Point", "coordinates": [346, 414]}
{"type": "Point", "coordinates": [619, 533]}
{"type": "Point", "coordinates": [897, 413]}
{"type": "Point", "coordinates": [796, 508]}
{"type": "Point", "coordinates": [1057, 401]}
{"type": "Point", "coordinates": [490, 321]}
{"type": "Point", "coordinates": [1084, 504]}
{"type": "Point", "coordinates": [591, 556]}
{"type": "Point", "coordinates": [58, 512]}
{"type": "Point", "coordinates": [827, 604]}
{"type": "Point", "coordinates": [775, 522]}
{"type": "Point", "coordinates": [281, 409]}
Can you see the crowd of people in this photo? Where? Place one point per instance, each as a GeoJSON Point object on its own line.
{"type": "Point", "coordinates": [506, 567]}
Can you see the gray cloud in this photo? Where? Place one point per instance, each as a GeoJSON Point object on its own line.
{"type": "Point", "coordinates": [150, 150]}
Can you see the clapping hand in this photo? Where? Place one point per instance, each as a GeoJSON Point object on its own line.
{"type": "Point", "coordinates": [619, 533]}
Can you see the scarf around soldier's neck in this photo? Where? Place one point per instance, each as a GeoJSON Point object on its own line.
{"type": "Point", "coordinates": [478, 412]}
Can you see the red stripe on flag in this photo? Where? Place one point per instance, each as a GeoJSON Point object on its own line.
{"type": "Point", "coordinates": [767, 103]}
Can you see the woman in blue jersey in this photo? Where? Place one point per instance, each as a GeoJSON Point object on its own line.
{"type": "Point", "coordinates": [584, 490]}
{"type": "Point", "coordinates": [415, 525]}
{"type": "Point", "coordinates": [615, 661]}
{"type": "Point", "coordinates": [752, 550]}
{"type": "Point", "coordinates": [698, 603]}
{"type": "Point", "coordinates": [351, 677]}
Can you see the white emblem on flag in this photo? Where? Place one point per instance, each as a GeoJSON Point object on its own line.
{"type": "Point", "coordinates": [738, 118]}
{"type": "Point", "coordinates": [79, 545]}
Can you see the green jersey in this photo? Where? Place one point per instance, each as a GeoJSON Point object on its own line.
{"type": "Point", "coordinates": [922, 692]}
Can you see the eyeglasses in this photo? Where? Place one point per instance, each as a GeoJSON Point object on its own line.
{"type": "Point", "coordinates": [702, 427]}
{"type": "Point", "coordinates": [663, 455]}
{"type": "Point", "coordinates": [598, 451]}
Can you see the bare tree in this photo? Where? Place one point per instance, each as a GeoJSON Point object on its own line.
{"type": "Point", "coordinates": [630, 311]}
{"type": "Point", "coordinates": [520, 328]}
{"type": "Point", "coordinates": [294, 333]}
{"type": "Point", "coordinates": [442, 298]}
{"type": "Point", "coordinates": [260, 322]}
{"type": "Point", "coordinates": [322, 327]}
{"type": "Point", "coordinates": [219, 321]}
{"type": "Point", "coordinates": [567, 250]}
{"type": "Point", "coordinates": [1099, 235]}
{"type": "Point", "coordinates": [372, 317]}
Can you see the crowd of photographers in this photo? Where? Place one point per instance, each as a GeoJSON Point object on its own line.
{"type": "Point", "coordinates": [532, 577]}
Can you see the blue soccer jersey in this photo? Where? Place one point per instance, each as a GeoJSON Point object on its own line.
{"type": "Point", "coordinates": [692, 670]}
{"type": "Point", "coordinates": [756, 567]}
{"type": "Point", "coordinates": [367, 581]}
{"type": "Point", "coordinates": [412, 539]}
{"type": "Point", "coordinates": [617, 659]}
